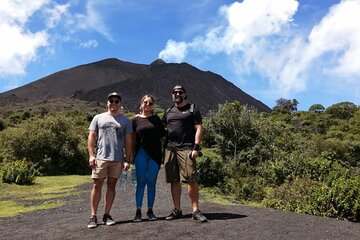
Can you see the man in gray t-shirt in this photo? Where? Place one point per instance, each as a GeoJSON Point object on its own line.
{"type": "Point", "coordinates": [110, 132]}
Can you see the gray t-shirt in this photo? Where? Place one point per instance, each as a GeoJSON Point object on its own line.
{"type": "Point", "coordinates": [111, 131]}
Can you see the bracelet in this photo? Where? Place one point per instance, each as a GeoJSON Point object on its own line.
{"type": "Point", "coordinates": [196, 147]}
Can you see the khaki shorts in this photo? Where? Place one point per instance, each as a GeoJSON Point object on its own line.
{"type": "Point", "coordinates": [178, 166]}
{"type": "Point", "coordinates": [104, 169]}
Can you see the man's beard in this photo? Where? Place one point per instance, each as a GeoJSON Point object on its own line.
{"type": "Point", "coordinates": [178, 99]}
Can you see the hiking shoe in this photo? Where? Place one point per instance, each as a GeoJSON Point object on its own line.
{"type": "Point", "coordinates": [175, 214]}
{"type": "Point", "coordinates": [107, 219]}
{"type": "Point", "coordinates": [93, 222]}
{"type": "Point", "coordinates": [198, 216]}
{"type": "Point", "coordinates": [138, 216]}
{"type": "Point", "coordinates": [150, 215]}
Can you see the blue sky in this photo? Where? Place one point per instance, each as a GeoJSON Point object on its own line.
{"type": "Point", "coordinates": [306, 49]}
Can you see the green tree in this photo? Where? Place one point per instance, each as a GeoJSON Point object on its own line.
{"type": "Point", "coordinates": [342, 110]}
{"type": "Point", "coordinates": [53, 144]}
{"type": "Point", "coordinates": [286, 105]}
{"type": "Point", "coordinates": [233, 129]}
{"type": "Point", "coordinates": [318, 108]}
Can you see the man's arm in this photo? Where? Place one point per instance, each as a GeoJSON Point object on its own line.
{"type": "Point", "coordinates": [91, 148]}
{"type": "Point", "coordinates": [199, 131]}
{"type": "Point", "coordinates": [128, 149]}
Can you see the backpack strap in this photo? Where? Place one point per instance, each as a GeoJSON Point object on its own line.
{"type": "Point", "coordinates": [168, 110]}
{"type": "Point", "coordinates": [191, 109]}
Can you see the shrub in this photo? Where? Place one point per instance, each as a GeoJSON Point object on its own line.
{"type": "Point", "coordinates": [54, 144]}
{"type": "Point", "coordinates": [242, 182]}
{"type": "Point", "coordinates": [19, 172]}
{"type": "Point", "coordinates": [339, 200]}
{"type": "Point", "coordinates": [245, 188]}
{"type": "Point", "coordinates": [296, 196]}
{"type": "Point", "coordinates": [345, 198]}
{"type": "Point", "coordinates": [211, 169]}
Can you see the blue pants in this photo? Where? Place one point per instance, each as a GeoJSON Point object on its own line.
{"type": "Point", "coordinates": [146, 174]}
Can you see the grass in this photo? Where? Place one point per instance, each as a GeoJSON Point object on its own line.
{"type": "Point", "coordinates": [46, 193]}
{"type": "Point", "coordinates": [11, 209]}
{"type": "Point", "coordinates": [210, 195]}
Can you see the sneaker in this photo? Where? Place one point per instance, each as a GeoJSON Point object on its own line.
{"type": "Point", "coordinates": [150, 215]}
{"type": "Point", "coordinates": [198, 216]}
{"type": "Point", "coordinates": [93, 222]}
{"type": "Point", "coordinates": [107, 219]}
{"type": "Point", "coordinates": [175, 214]}
{"type": "Point", "coordinates": [138, 216]}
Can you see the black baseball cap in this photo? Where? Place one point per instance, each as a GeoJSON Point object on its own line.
{"type": "Point", "coordinates": [114, 94]}
{"type": "Point", "coordinates": [178, 87]}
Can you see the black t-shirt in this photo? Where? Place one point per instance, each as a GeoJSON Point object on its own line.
{"type": "Point", "coordinates": [180, 124]}
{"type": "Point", "coordinates": [149, 132]}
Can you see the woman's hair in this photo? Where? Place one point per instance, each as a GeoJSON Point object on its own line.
{"type": "Point", "coordinates": [142, 100]}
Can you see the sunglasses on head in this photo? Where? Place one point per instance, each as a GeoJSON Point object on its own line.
{"type": "Point", "coordinates": [114, 101]}
{"type": "Point", "coordinates": [149, 103]}
{"type": "Point", "coordinates": [178, 92]}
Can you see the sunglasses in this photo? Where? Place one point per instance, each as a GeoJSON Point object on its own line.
{"type": "Point", "coordinates": [148, 103]}
{"type": "Point", "coordinates": [114, 101]}
{"type": "Point", "coordinates": [178, 92]}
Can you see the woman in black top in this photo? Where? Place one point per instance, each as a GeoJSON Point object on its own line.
{"type": "Point", "coordinates": [149, 130]}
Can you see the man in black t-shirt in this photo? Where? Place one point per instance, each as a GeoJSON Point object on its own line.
{"type": "Point", "coordinates": [185, 131]}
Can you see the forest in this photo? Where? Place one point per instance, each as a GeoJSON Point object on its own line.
{"type": "Point", "coordinates": [301, 161]}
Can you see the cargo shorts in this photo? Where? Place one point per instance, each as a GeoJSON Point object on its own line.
{"type": "Point", "coordinates": [179, 166]}
{"type": "Point", "coordinates": [105, 169]}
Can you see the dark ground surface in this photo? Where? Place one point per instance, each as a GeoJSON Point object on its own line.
{"type": "Point", "coordinates": [225, 222]}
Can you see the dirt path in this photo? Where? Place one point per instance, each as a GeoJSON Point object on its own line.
{"type": "Point", "coordinates": [226, 222]}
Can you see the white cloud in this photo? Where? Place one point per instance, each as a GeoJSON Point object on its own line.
{"type": "Point", "coordinates": [339, 33]}
{"type": "Point", "coordinates": [18, 49]}
{"type": "Point", "coordinates": [174, 51]}
{"type": "Point", "coordinates": [18, 12]}
{"type": "Point", "coordinates": [246, 22]}
{"type": "Point", "coordinates": [334, 44]}
{"type": "Point", "coordinates": [89, 44]}
{"type": "Point", "coordinates": [256, 35]}
{"type": "Point", "coordinates": [55, 14]}
{"type": "Point", "coordinates": [244, 37]}
{"type": "Point", "coordinates": [92, 20]}
{"type": "Point", "coordinates": [253, 19]}
{"type": "Point", "coordinates": [18, 45]}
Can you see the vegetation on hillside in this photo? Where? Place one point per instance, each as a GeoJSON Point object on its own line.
{"type": "Point", "coordinates": [299, 161]}
{"type": "Point", "coordinates": [305, 161]}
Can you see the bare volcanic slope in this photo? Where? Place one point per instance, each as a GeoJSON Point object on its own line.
{"type": "Point", "coordinates": [78, 80]}
{"type": "Point", "coordinates": [93, 81]}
